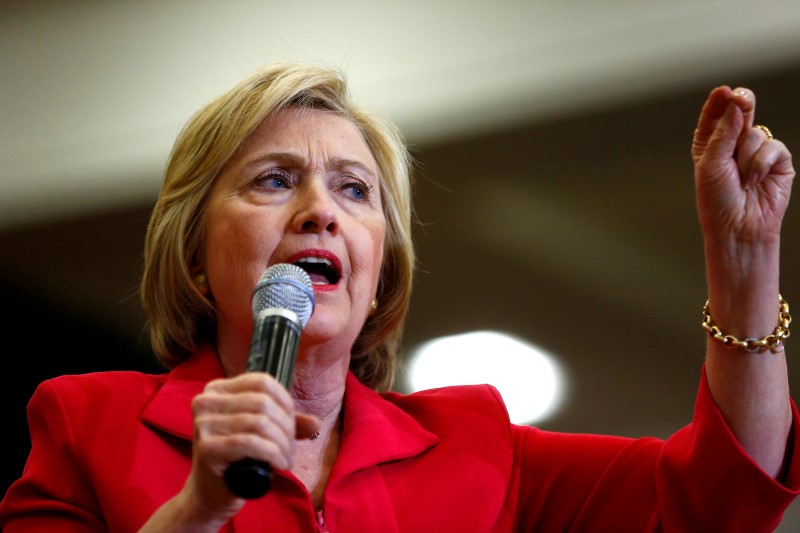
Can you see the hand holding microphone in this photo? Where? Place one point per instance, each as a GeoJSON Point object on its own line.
{"type": "Point", "coordinates": [282, 303]}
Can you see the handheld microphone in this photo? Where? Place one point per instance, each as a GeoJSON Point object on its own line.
{"type": "Point", "coordinates": [282, 303]}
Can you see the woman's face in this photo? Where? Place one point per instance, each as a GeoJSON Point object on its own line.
{"type": "Point", "coordinates": [304, 189]}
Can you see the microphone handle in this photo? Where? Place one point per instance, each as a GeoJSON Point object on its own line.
{"type": "Point", "coordinates": [273, 349]}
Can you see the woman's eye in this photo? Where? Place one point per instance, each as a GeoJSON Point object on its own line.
{"type": "Point", "coordinates": [274, 179]}
{"type": "Point", "coordinates": [357, 190]}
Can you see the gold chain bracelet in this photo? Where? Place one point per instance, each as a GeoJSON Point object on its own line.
{"type": "Point", "coordinates": [773, 342]}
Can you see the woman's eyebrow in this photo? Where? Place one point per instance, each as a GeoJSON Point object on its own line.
{"type": "Point", "coordinates": [283, 157]}
{"type": "Point", "coordinates": [336, 163]}
{"type": "Point", "coordinates": [340, 163]}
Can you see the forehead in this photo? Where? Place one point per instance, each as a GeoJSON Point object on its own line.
{"type": "Point", "coordinates": [310, 132]}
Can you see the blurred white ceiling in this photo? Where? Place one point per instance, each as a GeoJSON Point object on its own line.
{"type": "Point", "coordinates": [93, 92]}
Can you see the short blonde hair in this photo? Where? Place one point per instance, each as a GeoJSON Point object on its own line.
{"type": "Point", "coordinates": [179, 316]}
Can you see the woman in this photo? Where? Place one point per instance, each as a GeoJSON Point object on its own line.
{"type": "Point", "coordinates": [285, 169]}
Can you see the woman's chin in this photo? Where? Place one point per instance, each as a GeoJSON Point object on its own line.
{"type": "Point", "coordinates": [326, 329]}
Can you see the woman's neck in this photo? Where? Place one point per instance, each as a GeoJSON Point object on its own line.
{"type": "Point", "coordinates": [318, 384]}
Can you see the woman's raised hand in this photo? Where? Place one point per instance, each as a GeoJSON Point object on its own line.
{"type": "Point", "coordinates": [743, 176]}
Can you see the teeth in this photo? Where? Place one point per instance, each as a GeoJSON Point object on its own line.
{"type": "Point", "coordinates": [315, 260]}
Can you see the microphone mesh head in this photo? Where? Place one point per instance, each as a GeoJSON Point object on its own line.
{"type": "Point", "coordinates": [287, 287]}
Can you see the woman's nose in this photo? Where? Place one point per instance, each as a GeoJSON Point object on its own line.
{"type": "Point", "coordinates": [316, 211]}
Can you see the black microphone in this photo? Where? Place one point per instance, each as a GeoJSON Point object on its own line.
{"type": "Point", "coordinates": [282, 303]}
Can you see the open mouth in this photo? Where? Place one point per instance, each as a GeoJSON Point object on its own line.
{"type": "Point", "coordinates": [321, 271]}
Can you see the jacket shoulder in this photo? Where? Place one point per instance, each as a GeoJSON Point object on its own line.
{"type": "Point", "coordinates": [118, 387]}
{"type": "Point", "coordinates": [474, 405]}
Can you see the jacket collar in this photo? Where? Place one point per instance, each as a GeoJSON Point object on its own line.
{"type": "Point", "coordinates": [171, 408]}
{"type": "Point", "coordinates": [375, 430]}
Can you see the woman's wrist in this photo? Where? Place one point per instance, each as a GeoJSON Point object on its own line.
{"type": "Point", "coordinates": [744, 288]}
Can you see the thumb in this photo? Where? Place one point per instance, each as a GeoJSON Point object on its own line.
{"type": "Point", "coordinates": [306, 425]}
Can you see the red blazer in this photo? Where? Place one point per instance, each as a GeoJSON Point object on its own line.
{"type": "Point", "coordinates": [109, 448]}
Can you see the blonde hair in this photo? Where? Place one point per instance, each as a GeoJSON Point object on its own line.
{"type": "Point", "coordinates": [179, 316]}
